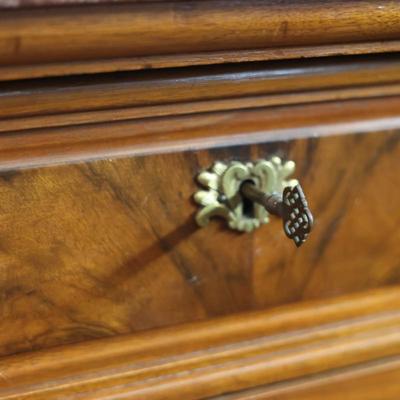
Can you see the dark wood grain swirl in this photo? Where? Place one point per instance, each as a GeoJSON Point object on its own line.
{"type": "Point", "coordinates": [108, 247]}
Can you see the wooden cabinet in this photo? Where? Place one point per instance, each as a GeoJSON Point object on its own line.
{"type": "Point", "coordinates": [109, 289]}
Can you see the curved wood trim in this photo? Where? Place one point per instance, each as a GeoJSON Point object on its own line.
{"type": "Point", "coordinates": [128, 30]}
{"type": "Point", "coordinates": [195, 107]}
{"type": "Point", "coordinates": [206, 359]}
{"type": "Point", "coordinates": [16, 72]}
{"type": "Point", "coordinates": [49, 146]}
{"type": "Point", "coordinates": [177, 87]}
{"type": "Point", "coordinates": [370, 381]}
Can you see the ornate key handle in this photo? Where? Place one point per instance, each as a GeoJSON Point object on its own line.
{"type": "Point", "coordinates": [246, 194]}
{"type": "Point", "coordinates": [292, 207]}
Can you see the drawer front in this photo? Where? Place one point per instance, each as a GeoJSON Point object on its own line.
{"type": "Point", "coordinates": [104, 247]}
{"type": "Point", "coordinates": [114, 152]}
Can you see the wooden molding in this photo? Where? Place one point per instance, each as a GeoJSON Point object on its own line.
{"type": "Point", "coordinates": [194, 30]}
{"type": "Point", "coordinates": [369, 381]}
{"type": "Point", "coordinates": [49, 146]}
{"type": "Point", "coordinates": [128, 96]}
{"type": "Point", "coordinates": [202, 84]}
{"type": "Point", "coordinates": [205, 359]}
{"type": "Point", "coordinates": [16, 72]}
{"type": "Point", "coordinates": [8, 125]}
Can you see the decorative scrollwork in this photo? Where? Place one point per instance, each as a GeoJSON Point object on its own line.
{"type": "Point", "coordinates": [222, 198]}
{"type": "Point", "coordinates": [297, 218]}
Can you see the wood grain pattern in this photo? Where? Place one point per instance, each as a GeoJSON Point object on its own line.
{"type": "Point", "coordinates": [200, 360]}
{"type": "Point", "coordinates": [53, 69]}
{"type": "Point", "coordinates": [126, 30]}
{"type": "Point", "coordinates": [191, 108]}
{"type": "Point", "coordinates": [108, 289]}
{"type": "Point", "coordinates": [108, 247]}
{"type": "Point", "coordinates": [91, 141]}
{"type": "Point", "coordinates": [370, 381]}
{"type": "Point", "coordinates": [177, 87]}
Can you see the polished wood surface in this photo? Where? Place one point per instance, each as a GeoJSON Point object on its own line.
{"type": "Point", "coordinates": [201, 84]}
{"type": "Point", "coordinates": [77, 101]}
{"type": "Point", "coordinates": [108, 247]}
{"type": "Point", "coordinates": [370, 381]}
{"type": "Point", "coordinates": [56, 69]}
{"type": "Point", "coordinates": [8, 125]}
{"type": "Point", "coordinates": [183, 27]}
{"type": "Point", "coordinates": [108, 111]}
{"type": "Point", "coordinates": [88, 140]}
{"type": "Point", "coordinates": [197, 361]}
{"type": "Point", "coordinates": [55, 35]}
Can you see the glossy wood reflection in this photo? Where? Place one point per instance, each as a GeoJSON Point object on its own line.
{"type": "Point", "coordinates": [266, 353]}
{"type": "Point", "coordinates": [108, 247]}
{"type": "Point", "coordinates": [55, 35]}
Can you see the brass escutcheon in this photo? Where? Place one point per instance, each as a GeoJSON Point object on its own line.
{"type": "Point", "coordinates": [221, 195]}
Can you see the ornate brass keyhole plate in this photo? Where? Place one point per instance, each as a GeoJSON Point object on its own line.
{"type": "Point", "coordinates": [221, 195]}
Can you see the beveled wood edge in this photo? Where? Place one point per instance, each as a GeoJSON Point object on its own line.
{"type": "Point", "coordinates": [178, 89]}
{"type": "Point", "coordinates": [46, 70]}
{"type": "Point", "coordinates": [204, 359]}
{"type": "Point", "coordinates": [8, 125]}
{"type": "Point", "coordinates": [51, 146]}
{"type": "Point", "coordinates": [384, 372]}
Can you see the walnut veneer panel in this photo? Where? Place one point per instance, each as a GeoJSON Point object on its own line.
{"type": "Point", "coordinates": [107, 247]}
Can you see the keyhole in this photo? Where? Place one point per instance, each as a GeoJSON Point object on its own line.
{"type": "Point", "coordinates": [248, 205]}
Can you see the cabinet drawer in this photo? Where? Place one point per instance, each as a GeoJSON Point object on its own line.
{"type": "Point", "coordinates": [156, 167]}
{"type": "Point", "coordinates": [100, 247]}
